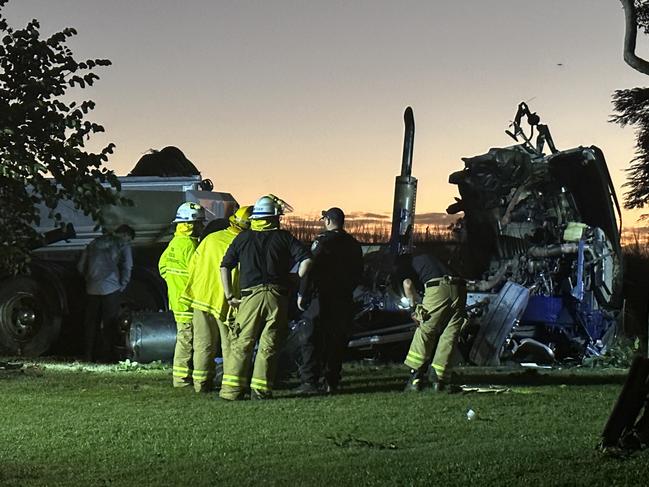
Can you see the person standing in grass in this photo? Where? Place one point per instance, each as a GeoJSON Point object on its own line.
{"type": "Point", "coordinates": [265, 255]}
{"type": "Point", "coordinates": [440, 315]}
{"type": "Point", "coordinates": [173, 265]}
{"type": "Point", "coordinates": [204, 294]}
{"type": "Point", "coordinates": [337, 270]}
{"type": "Point", "coordinates": [106, 267]}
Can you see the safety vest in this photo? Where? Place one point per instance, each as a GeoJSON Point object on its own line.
{"type": "Point", "coordinates": [173, 267]}
{"type": "Point", "coordinates": [204, 290]}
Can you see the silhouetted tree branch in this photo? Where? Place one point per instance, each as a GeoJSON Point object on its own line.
{"type": "Point", "coordinates": [631, 33]}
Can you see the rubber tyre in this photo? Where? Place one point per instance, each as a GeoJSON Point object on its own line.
{"type": "Point", "coordinates": [30, 317]}
{"type": "Point", "coordinates": [504, 312]}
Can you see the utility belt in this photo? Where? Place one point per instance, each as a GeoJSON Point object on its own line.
{"type": "Point", "coordinates": [264, 287]}
{"type": "Point", "coordinates": [448, 280]}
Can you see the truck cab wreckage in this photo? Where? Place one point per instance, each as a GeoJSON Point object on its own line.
{"type": "Point", "coordinates": [539, 242]}
{"type": "Point", "coordinates": [542, 239]}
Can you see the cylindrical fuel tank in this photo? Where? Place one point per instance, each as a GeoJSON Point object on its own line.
{"type": "Point", "coordinates": [152, 336]}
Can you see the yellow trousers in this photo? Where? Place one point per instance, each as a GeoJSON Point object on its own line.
{"type": "Point", "coordinates": [182, 368]}
{"type": "Point", "coordinates": [443, 315]}
{"type": "Point", "coordinates": [207, 341]}
{"type": "Point", "coordinates": [262, 317]}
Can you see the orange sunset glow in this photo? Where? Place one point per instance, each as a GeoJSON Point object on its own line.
{"type": "Point", "coordinates": [305, 99]}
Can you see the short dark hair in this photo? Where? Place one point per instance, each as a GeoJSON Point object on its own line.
{"type": "Point", "coordinates": [125, 229]}
{"type": "Point", "coordinates": [336, 215]}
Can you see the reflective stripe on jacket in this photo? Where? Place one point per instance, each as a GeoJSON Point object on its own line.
{"type": "Point", "coordinates": [204, 290]}
{"type": "Point", "coordinates": [173, 267]}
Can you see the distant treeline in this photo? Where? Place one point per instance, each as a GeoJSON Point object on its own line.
{"type": "Point", "coordinates": [306, 230]}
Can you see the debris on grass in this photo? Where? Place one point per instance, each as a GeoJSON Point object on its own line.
{"type": "Point", "coordinates": [484, 390]}
{"type": "Point", "coordinates": [131, 365]}
{"type": "Point", "coordinates": [351, 442]}
{"type": "Point", "coordinates": [91, 367]}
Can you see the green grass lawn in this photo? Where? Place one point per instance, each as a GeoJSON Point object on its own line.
{"type": "Point", "coordinates": [75, 425]}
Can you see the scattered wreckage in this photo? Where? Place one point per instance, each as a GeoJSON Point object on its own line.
{"type": "Point", "coordinates": [539, 242]}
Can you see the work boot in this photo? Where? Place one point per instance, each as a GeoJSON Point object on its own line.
{"type": "Point", "coordinates": [230, 396]}
{"type": "Point", "coordinates": [416, 382]}
{"type": "Point", "coordinates": [239, 397]}
{"type": "Point", "coordinates": [306, 389]}
{"type": "Point", "coordinates": [257, 395]}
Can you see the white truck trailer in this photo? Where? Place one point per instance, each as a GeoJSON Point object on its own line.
{"type": "Point", "coordinates": [43, 311]}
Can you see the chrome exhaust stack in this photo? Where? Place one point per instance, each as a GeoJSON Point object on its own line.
{"type": "Point", "coordinates": [405, 193]}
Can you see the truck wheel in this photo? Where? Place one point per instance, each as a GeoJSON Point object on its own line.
{"type": "Point", "coordinates": [30, 318]}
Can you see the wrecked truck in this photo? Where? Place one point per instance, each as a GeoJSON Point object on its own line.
{"type": "Point", "coordinates": [539, 242]}
{"type": "Point", "coordinates": [540, 239]}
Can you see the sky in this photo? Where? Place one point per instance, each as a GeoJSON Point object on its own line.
{"type": "Point", "coordinates": [305, 99]}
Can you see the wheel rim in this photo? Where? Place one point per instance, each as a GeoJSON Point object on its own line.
{"type": "Point", "coordinates": [21, 317]}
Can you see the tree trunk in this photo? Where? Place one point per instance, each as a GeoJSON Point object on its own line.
{"type": "Point", "coordinates": [630, 35]}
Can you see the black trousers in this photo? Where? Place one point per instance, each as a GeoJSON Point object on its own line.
{"type": "Point", "coordinates": [100, 325]}
{"type": "Point", "coordinates": [324, 334]}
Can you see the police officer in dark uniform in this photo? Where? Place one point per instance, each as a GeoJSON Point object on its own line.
{"type": "Point", "coordinates": [337, 270]}
{"type": "Point", "coordinates": [438, 301]}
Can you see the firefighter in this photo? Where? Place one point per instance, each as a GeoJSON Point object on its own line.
{"type": "Point", "coordinates": [204, 294]}
{"type": "Point", "coordinates": [106, 266]}
{"type": "Point", "coordinates": [265, 255]}
{"type": "Point", "coordinates": [173, 267]}
{"type": "Point", "coordinates": [440, 315]}
{"type": "Point", "coordinates": [337, 270]}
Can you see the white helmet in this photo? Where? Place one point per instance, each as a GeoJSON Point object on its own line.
{"type": "Point", "coordinates": [269, 206]}
{"type": "Point", "coordinates": [265, 207]}
{"type": "Point", "coordinates": [189, 212]}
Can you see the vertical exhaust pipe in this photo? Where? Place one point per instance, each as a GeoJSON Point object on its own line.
{"type": "Point", "coordinates": [405, 193]}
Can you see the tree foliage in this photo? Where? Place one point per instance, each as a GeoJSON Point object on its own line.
{"type": "Point", "coordinates": [642, 14]}
{"type": "Point", "coordinates": [631, 106]}
{"type": "Point", "coordinates": [43, 158]}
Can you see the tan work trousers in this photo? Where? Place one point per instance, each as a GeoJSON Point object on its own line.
{"type": "Point", "coordinates": [210, 333]}
{"type": "Point", "coordinates": [263, 317]}
{"type": "Point", "coordinates": [182, 371]}
{"type": "Point", "coordinates": [443, 315]}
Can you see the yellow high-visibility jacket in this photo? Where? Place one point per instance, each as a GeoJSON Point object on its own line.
{"type": "Point", "coordinates": [173, 267]}
{"type": "Point", "coordinates": [204, 290]}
